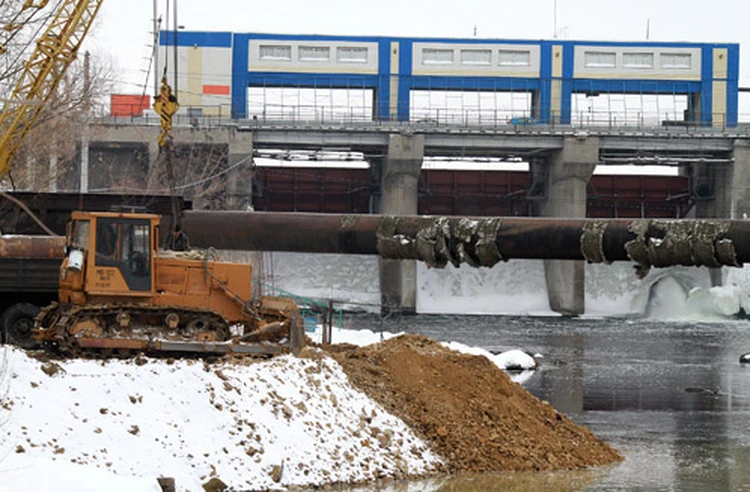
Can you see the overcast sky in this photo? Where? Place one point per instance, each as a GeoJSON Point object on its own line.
{"type": "Point", "coordinates": [123, 27]}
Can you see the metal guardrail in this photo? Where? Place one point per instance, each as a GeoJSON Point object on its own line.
{"type": "Point", "coordinates": [439, 120]}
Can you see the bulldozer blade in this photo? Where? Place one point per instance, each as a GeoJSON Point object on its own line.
{"type": "Point", "coordinates": [266, 332]}
{"type": "Point", "coordinates": [170, 346]}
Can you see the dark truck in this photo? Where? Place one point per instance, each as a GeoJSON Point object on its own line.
{"type": "Point", "coordinates": [29, 273]}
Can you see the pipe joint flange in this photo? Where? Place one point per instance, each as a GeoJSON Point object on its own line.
{"type": "Point", "coordinates": [592, 241]}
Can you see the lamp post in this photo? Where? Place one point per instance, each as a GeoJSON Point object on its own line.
{"type": "Point", "coordinates": [156, 48]}
{"type": "Point", "coordinates": [176, 47]}
{"type": "Point", "coordinates": [554, 19]}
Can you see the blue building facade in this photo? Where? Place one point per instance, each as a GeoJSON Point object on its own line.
{"type": "Point", "coordinates": [217, 68]}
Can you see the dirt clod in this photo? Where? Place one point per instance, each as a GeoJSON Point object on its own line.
{"type": "Point", "coordinates": [215, 485]}
{"type": "Point", "coordinates": [468, 409]}
{"type": "Point", "coordinates": [51, 368]}
{"type": "Point", "coordinates": [276, 472]}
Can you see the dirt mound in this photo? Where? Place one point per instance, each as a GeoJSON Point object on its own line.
{"type": "Point", "coordinates": [468, 409]}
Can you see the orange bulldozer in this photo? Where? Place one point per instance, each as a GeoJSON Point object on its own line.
{"type": "Point", "coordinates": [120, 294]}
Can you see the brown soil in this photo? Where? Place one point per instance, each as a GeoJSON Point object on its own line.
{"type": "Point", "coordinates": [476, 418]}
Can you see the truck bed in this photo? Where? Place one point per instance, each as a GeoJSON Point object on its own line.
{"type": "Point", "coordinates": [28, 275]}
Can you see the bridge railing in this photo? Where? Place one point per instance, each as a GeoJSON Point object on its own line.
{"type": "Point", "coordinates": [504, 119]}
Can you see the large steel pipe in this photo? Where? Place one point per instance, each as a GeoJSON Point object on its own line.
{"type": "Point", "coordinates": [478, 241]}
{"type": "Point", "coordinates": [32, 247]}
{"type": "Point", "coordinates": [441, 240]}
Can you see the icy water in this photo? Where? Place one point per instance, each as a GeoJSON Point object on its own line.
{"type": "Point", "coordinates": [672, 397]}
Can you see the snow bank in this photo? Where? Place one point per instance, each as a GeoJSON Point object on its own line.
{"type": "Point", "coordinates": [118, 425]}
{"type": "Point", "coordinates": [84, 425]}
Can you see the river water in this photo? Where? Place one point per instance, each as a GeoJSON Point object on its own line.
{"type": "Point", "coordinates": [671, 396]}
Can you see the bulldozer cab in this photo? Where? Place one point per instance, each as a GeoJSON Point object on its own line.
{"type": "Point", "coordinates": [114, 253]}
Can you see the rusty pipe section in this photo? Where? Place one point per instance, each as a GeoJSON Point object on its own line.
{"type": "Point", "coordinates": [33, 247]}
{"type": "Point", "coordinates": [479, 241]}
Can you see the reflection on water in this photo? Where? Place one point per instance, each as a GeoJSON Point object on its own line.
{"type": "Point", "coordinates": [670, 396]}
{"type": "Point", "coordinates": [564, 481]}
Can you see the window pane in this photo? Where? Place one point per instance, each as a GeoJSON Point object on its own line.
{"type": "Point", "coordinates": [638, 60]}
{"type": "Point", "coordinates": [135, 248]}
{"type": "Point", "coordinates": [599, 59]}
{"type": "Point", "coordinates": [476, 57]}
{"type": "Point", "coordinates": [273, 52]}
{"type": "Point", "coordinates": [351, 54]}
{"type": "Point", "coordinates": [106, 242]}
{"type": "Point", "coordinates": [80, 238]}
{"type": "Point", "coordinates": [314, 53]}
{"type": "Point", "coordinates": [514, 58]}
{"type": "Point", "coordinates": [431, 56]}
{"type": "Point", "coordinates": [675, 60]}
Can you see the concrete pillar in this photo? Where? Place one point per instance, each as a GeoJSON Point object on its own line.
{"type": "Point", "coordinates": [240, 176]}
{"type": "Point", "coordinates": [536, 105]}
{"type": "Point", "coordinates": [376, 178]}
{"type": "Point", "coordinates": [729, 187]}
{"type": "Point", "coordinates": [740, 185]}
{"type": "Point", "coordinates": [568, 174]}
{"type": "Point", "coordinates": [53, 172]}
{"type": "Point", "coordinates": [399, 191]}
{"type": "Point", "coordinates": [83, 181]}
{"type": "Point", "coordinates": [729, 184]}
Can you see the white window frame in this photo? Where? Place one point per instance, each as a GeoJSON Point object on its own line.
{"type": "Point", "coordinates": [308, 53]}
{"type": "Point", "coordinates": [669, 64]}
{"type": "Point", "coordinates": [468, 57]}
{"type": "Point", "coordinates": [343, 54]}
{"type": "Point", "coordinates": [428, 60]}
{"type": "Point", "coordinates": [274, 56]}
{"type": "Point", "coordinates": [628, 62]}
{"type": "Point", "coordinates": [590, 63]}
{"type": "Point", "coordinates": [511, 61]}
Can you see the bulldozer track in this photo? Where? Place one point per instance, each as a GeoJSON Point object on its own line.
{"type": "Point", "coordinates": [128, 322]}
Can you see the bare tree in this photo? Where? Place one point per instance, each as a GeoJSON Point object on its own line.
{"type": "Point", "coordinates": [49, 156]}
{"type": "Point", "coordinates": [49, 149]}
{"type": "Point", "coordinates": [21, 26]}
{"type": "Point", "coordinates": [80, 95]}
{"type": "Point", "coordinates": [200, 174]}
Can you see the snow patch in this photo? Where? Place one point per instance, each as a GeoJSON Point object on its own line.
{"type": "Point", "coordinates": [120, 424]}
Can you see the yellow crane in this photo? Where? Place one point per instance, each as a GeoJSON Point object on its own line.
{"type": "Point", "coordinates": [55, 51]}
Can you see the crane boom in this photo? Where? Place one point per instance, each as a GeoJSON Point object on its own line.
{"type": "Point", "coordinates": [55, 51]}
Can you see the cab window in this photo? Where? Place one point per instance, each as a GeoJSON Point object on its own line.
{"type": "Point", "coordinates": [125, 243]}
{"type": "Point", "coordinates": [106, 242]}
{"type": "Point", "coordinates": [79, 238]}
{"type": "Point", "coordinates": [135, 248]}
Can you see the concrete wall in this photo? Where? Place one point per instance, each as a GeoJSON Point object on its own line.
{"type": "Point", "coordinates": [240, 177]}
{"type": "Point", "coordinates": [203, 160]}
